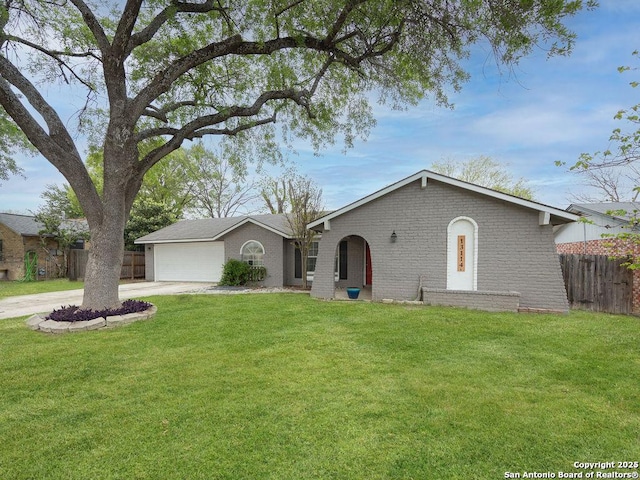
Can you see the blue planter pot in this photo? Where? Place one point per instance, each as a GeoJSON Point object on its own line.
{"type": "Point", "coordinates": [353, 292]}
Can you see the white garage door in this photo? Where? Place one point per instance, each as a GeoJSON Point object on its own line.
{"type": "Point", "coordinates": [189, 262]}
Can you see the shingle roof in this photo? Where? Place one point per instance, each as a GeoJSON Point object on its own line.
{"type": "Point", "coordinates": [214, 228]}
{"type": "Point", "coordinates": [27, 225]}
{"type": "Point", "coordinates": [631, 208]}
{"type": "Point", "coordinates": [22, 224]}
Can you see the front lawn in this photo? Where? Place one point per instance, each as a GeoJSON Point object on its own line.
{"type": "Point", "coordinates": [287, 387]}
{"type": "Point", "coordinates": [11, 289]}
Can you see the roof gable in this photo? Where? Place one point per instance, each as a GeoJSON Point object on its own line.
{"type": "Point", "coordinates": [212, 229]}
{"type": "Point", "coordinates": [548, 214]}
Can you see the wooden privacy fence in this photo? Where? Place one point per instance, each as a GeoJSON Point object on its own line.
{"type": "Point", "coordinates": [132, 265]}
{"type": "Point", "coordinates": [595, 282]}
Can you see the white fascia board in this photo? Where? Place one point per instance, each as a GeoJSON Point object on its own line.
{"type": "Point", "coordinates": [587, 212]}
{"type": "Point", "coordinates": [558, 212]}
{"type": "Point", "coordinates": [424, 175]}
{"type": "Point", "coordinates": [182, 240]}
{"type": "Point", "coordinates": [255, 222]}
{"type": "Point", "coordinates": [365, 200]}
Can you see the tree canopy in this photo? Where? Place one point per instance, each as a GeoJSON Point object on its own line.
{"type": "Point", "coordinates": [12, 139]}
{"type": "Point", "coordinates": [156, 73]}
{"type": "Point", "coordinates": [486, 172]}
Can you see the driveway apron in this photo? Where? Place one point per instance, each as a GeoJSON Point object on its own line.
{"type": "Point", "coordinates": [46, 302]}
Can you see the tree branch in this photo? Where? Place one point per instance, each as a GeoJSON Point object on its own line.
{"type": "Point", "coordinates": [58, 146]}
{"type": "Point", "coordinates": [55, 55]}
{"type": "Point", "coordinates": [159, 20]}
{"type": "Point", "coordinates": [161, 113]}
{"type": "Point", "coordinates": [234, 45]}
{"type": "Point", "coordinates": [122, 37]}
{"type": "Point", "coordinates": [94, 25]}
{"type": "Point", "coordinates": [299, 97]}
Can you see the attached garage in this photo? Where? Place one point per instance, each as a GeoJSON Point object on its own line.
{"type": "Point", "coordinates": [189, 261]}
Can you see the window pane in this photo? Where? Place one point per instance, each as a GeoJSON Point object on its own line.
{"type": "Point", "coordinates": [311, 264]}
{"type": "Point", "coordinates": [253, 253]}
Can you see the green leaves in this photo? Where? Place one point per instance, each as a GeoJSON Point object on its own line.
{"type": "Point", "coordinates": [486, 172]}
{"type": "Point", "coordinates": [12, 140]}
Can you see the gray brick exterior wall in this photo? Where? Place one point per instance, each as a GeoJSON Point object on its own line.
{"type": "Point", "coordinates": [515, 253]}
{"type": "Point", "coordinates": [273, 244]}
{"type": "Point", "coordinates": [490, 301]}
{"type": "Point", "coordinates": [149, 271]}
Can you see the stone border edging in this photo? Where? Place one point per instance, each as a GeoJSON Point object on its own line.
{"type": "Point", "coordinates": [39, 323]}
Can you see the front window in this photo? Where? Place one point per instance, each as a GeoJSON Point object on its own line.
{"type": "Point", "coordinates": [253, 253]}
{"type": "Point", "coordinates": [311, 260]}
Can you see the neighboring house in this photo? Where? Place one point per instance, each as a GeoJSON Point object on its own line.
{"type": "Point", "coordinates": [586, 238]}
{"type": "Point", "coordinates": [427, 236]}
{"type": "Point", "coordinates": [21, 244]}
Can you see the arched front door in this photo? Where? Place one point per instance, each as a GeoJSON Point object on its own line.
{"type": "Point", "coordinates": [462, 251]}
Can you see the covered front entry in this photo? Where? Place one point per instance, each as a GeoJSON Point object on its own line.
{"type": "Point", "coordinates": [346, 263]}
{"type": "Point", "coordinates": [354, 267]}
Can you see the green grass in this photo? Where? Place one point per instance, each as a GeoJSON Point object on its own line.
{"type": "Point", "coordinates": [287, 387]}
{"type": "Point", "coordinates": [10, 289]}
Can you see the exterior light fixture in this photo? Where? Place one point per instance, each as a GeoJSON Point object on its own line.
{"type": "Point", "coordinates": [394, 237]}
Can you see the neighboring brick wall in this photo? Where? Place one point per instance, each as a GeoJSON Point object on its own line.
{"type": "Point", "coordinates": [612, 247]}
{"type": "Point", "coordinates": [14, 248]}
{"type": "Point", "coordinates": [273, 250]}
{"type": "Point", "coordinates": [515, 253]}
{"type": "Point", "coordinates": [12, 253]}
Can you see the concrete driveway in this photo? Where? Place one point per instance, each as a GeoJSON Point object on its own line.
{"type": "Point", "coordinates": [45, 302]}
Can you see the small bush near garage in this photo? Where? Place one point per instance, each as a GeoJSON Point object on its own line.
{"type": "Point", "coordinates": [236, 273]}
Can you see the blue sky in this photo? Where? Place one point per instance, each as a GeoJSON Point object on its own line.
{"type": "Point", "coordinates": [543, 111]}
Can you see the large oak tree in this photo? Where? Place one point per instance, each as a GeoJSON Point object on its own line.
{"type": "Point", "coordinates": [168, 71]}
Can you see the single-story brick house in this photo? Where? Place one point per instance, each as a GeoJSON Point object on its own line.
{"type": "Point", "coordinates": [603, 218]}
{"type": "Point", "coordinates": [448, 241]}
{"type": "Point", "coordinates": [427, 236]}
{"type": "Point", "coordinates": [21, 244]}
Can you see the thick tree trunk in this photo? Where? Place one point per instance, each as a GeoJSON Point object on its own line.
{"type": "Point", "coordinates": [105, 260]}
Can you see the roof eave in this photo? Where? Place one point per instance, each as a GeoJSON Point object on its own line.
{"type": "Point", "coordinates": [425, 175]}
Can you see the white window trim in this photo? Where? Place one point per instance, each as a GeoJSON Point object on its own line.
{"type": "Point", "coordinates": [308, 273]}
{"type": "Point", "coordinates": [261, 246]}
